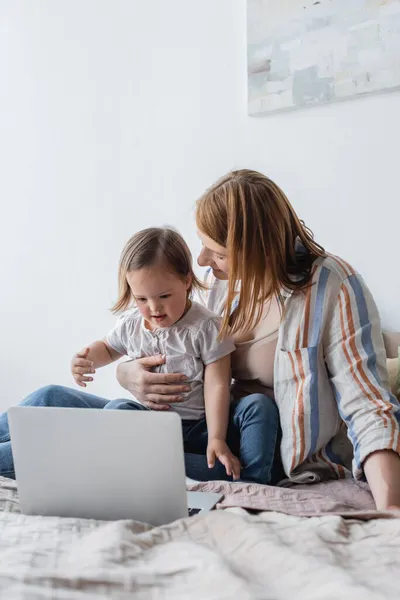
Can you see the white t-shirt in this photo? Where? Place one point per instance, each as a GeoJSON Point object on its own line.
{"type": "Point", "coordinates": [189, 345]}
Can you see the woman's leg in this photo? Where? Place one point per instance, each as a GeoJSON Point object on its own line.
{"type": "Point", "coordinates": [51, 395]}
{"type": "Point", "coordinates": [256, 420]}
{"type": "Point", "coordinates": [253, 435]}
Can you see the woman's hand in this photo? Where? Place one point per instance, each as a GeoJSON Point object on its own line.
{"type": "Point", "coordinates": [382, 470]}
{"type": "Point", "coordinates": [155, 390]}
{"type": "Point", "coordinates": [219, 449]}
{"type": "Point", "coordinates": [81, 367]}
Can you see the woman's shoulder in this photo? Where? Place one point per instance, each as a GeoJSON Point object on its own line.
{"type": "Point", "coordinates": [199, 316]}
{"type": "Point", "coordinates": [335, 265]}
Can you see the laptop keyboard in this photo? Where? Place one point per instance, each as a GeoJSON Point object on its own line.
{"type": "Point", "coordinates": [194, 511]}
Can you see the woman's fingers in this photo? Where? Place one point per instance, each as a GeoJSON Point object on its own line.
{"type": "Point", "coordinates": [164, 378]}
{"type": "Point", "coordinates": [168, 390]}
{"type": "Point", "coordinates": [155, 405]}
{"type": "Point", "coordinates": [161, 400]}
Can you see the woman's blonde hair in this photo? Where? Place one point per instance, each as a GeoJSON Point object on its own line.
{"type": "Point", "coordinates": [150, 247]}
{"type": "Point", "coordinates": [251, 217]}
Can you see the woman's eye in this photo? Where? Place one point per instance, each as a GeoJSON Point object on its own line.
{"type": "Point", "coordinates": [221, 257]}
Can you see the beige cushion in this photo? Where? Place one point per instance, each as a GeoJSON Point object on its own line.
{"type": "Point", "coordinates": [392, 343]}
{"type": "Point", "coordinates": [393, 365]}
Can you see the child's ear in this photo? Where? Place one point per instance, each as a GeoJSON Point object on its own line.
{"type": "Point", "coordinates": [189, 281]}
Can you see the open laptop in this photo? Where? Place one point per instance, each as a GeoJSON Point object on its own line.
{"type": "Point", "coordinates": [102, 464]}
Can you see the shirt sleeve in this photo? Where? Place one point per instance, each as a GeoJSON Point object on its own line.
{"type": "Point", "coordinates": [356, 360]}
{"type": "Point", "coordinates": [118, 337]}
{"type": "Point", "coordinates": [211, 348]}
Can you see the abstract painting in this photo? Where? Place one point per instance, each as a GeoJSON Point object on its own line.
{"type": "Point", "coordinates": [308, 52]}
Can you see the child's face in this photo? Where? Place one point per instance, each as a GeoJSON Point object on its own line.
{"type": "Point", "coordinates": [161, 296]}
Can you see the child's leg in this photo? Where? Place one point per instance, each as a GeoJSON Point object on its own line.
{"type": "Point", "coordinates": [123, 405]}
{"type": "Point", "coordinates": [255, 419]}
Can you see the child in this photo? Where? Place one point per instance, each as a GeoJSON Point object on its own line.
{"type": "Point", "coordinates": [156, 275]}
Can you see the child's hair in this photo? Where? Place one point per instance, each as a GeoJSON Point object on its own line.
{"type": "Point", "coordinates": [150, 247]}
{"type": "Point", "coordinates": [249, 214]}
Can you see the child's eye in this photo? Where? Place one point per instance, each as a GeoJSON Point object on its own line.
{"type": "Point", "coordinates": [140, 299]}
{"type": "Point", "coordinates": [165, 296]}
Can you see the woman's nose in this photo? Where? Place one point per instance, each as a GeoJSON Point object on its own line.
{"type": "Point", "coordinates": [203, 259]}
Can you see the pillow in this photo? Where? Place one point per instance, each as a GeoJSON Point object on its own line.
{"type": "Point", "coordinates": [393, 365]}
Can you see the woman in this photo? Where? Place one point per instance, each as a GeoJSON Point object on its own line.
{"type": "Point", "coordinates": [307, 331]}
{"type": "Point", "coordinates": [327, 362]}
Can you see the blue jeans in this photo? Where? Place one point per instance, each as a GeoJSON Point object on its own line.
{"type": "Point", "coordinates": [253, 434]}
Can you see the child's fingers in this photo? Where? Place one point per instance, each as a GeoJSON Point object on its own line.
{"type": "Point", "coordinates": [210, 458]}
{"type": "Point", "coordinates": [82, 362]}
{"type": "Point", "coordinates": [86, 378]}
{"type": "Point", "coordinates": [83, 353]}
{"type": "Point", "coordinates": [236, 468]}
{"type": "Point", "coordinates": [83, 370]}
{"type": "Point", "coordinates": [224, 459]}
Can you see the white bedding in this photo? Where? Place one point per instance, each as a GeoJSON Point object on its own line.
{"type": "Point", "coordinates": [224, 554]}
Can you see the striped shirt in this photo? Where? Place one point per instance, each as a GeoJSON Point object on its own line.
{"type": "Point", "coordinates": [330, 378]}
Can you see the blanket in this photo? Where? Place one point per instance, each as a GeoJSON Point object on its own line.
{"type": "Point", "coordinates": [224, 554]}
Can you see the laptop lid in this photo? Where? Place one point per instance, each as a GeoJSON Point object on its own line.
{"type": "Point", "coordinates": [99, 464]}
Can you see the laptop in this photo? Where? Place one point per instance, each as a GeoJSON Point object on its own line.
{"type": "Point", "coordinates": [102, 464]}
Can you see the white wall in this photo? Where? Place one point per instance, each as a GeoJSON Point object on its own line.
{"type": "Point", "coordinates": [114, 115]}
{"type": "Point", "coordinates": [339, 165]}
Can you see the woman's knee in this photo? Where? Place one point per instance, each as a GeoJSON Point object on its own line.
{"type": "Point", "coordinates": [259, 404]}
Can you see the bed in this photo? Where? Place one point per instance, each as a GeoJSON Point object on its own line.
{"type": "Point", "coordinates": [326, 541]}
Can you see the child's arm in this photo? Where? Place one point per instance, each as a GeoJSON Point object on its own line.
{"type": "Point", "coordinates": [99, 354]}
{"type": "Point", "coordinates": [217, 378]}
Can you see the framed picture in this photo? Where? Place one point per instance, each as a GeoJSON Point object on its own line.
{"type": "Point", "coordinates": [310, 52]}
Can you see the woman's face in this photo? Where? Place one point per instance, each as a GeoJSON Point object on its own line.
{"type": "Point", "coordinates": [213, 255]}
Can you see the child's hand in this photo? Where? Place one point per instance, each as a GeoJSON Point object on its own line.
{"type": "Point", "coordinates": [219, 449]}
{"type": "Point", "coordinates": [81, 366]}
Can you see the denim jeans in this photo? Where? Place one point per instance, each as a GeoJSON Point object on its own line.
{"type": "Point", "coordinates": [253, 434]}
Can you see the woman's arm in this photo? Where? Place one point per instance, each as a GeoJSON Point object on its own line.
{"type": "Point", "coordinates": [382, 470]}
{"type": "Point", "coordinates": [217, 378]}
{"type": "Point", "coordinates": [356, 361]}
{"type": "Point", "coordinates": [155, 390]}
